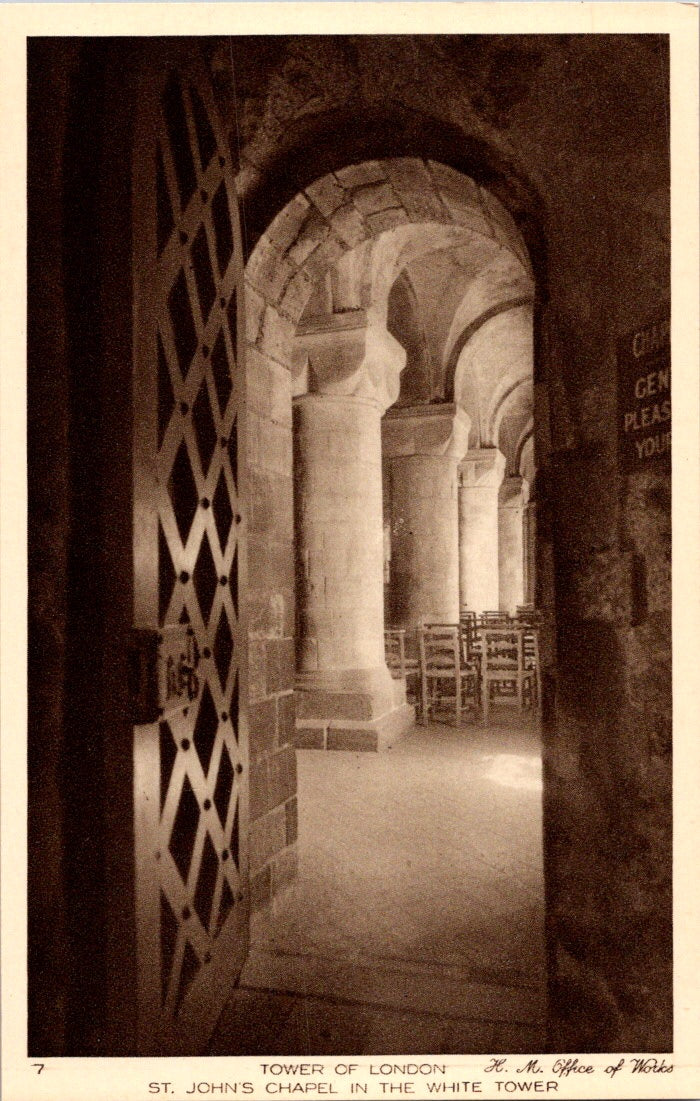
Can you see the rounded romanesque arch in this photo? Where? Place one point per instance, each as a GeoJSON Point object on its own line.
{"type": "Point", "coordinates": [322, 285]}
{"type": "Point", "coordinates": [359, 204]}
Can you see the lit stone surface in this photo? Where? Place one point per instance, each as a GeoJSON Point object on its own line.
{"type": "Point", "coordinates": [338, 466]}
{"type": "Point", "coordinates": [347, 698]}
{"type": "Point", "coordinates": [511, 549]}
{"type": "Point", "coordinates": [423, 446]}
{"type": "Point", "coordinates": [342, 678]}
{"type": "Point", "coordinates": [481, 474]}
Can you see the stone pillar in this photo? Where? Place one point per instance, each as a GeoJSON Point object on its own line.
{"type": "Point", "coordinates": [480, 476]}
{"type": "Point", "coordinates": [346, 697]}
{"type": "Point", "coordinates": [511, 555]}
{"type": "Point", "coordinates": [422, 446]}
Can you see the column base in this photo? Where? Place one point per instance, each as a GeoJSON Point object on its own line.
{"type": "Point", "coordinates": [352, 720]}
{"type": "Point", "coordinates": [356, 736]}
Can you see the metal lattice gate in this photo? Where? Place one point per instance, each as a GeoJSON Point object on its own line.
{"type": "Point", "coordinates": [190, 748]}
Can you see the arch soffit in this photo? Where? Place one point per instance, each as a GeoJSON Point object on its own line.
{"type": "Point", "coordinates": [326, 140]}
{"type": "Point", "coordinates": [492, 367]}
{"type": "Point", "coordinates": [514, 426]}
{"type": "Point", "coordinates": [526, 457]}
{"type": "Point", "coordinates": [470, 331]}
{"type": "Point", "coordinates": [405, 323]}
{"type": "Point", "coordinates": [391, 212]}
{"type": "Point", "coordinates": [367, 203]}
{"type": "Point", "coordinates": [512, 405]}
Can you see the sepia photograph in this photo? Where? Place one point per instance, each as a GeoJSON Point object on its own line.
{"type": "Point", "coordinates": [349, 637]}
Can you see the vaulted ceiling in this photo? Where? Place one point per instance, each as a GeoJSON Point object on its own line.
{"type": "Point", "coordinates": [456, 295]}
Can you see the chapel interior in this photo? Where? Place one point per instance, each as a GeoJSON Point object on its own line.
{"type": "Point", "coordinates": [349, 596]}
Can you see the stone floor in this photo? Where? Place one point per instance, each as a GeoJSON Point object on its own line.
{"type": "Point", "coordinates": [416, 924]}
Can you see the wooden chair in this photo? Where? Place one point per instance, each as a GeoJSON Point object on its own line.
{"type": "Point", "coordinates": [505, 677]}
{"type": "Point", "coordinates": [395, 651]}
{"type": "Point", "coordinates": [467, 616]}
{"type": "Point", "coordinates": [528, 614]}
{"type": "Point", "coordinates": [468, 623]}
{"type": "Point", "coordinates": [471, 647]}
{"type": "Point", "coordinates": [531, 655]}
{"type": "Point", "coordinates": [447, 680]}
{"type": "Point", "coordinates": [494, 619]}
{"type": "Point", "coordinates": [403, 665]}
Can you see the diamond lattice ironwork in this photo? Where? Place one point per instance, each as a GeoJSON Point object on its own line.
{"type": "Point", "coordinates": [205, 729]}
{"type": "Point", "coordinates": [223, 649]}
{"type": "Point", "coordinates": [205, 578]}
{"type": "Point", "coordinates": [182, 322]}
{"type": "Point", "coordinates": [224, 785]}
{"type": "Point", "coordinates": [223, 514]}
{"type": "Point", "coordinates": [196, 849]}
{"type": "Point", "coordinates": [206, 882]}
{"type": "Point", "coordinates": [201, 265]}
{"type": "Point", "coordinates": [183, 492]}
{"type": "Point", "coordinates": [204, 428]}
{"type": "Point", "coordinates": [184, 829]}
{"type": "Point", "coordinates": [221, 372]}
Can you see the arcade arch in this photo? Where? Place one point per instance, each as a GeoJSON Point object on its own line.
{"type": "Point", "coordinates": [398, 296]}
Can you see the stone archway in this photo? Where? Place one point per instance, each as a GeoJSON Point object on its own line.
{"type": "Point", "coordinates": [319, 282]}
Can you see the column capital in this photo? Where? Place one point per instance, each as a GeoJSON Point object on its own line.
{"type": "Point", "coordinates": [513, 492]}
{"type": "Point", "coordinates": [430, 430]}
{"type": "Point", "coordinates": [482, 467]}
{"type": "Point", "coordinates": [351, 355]}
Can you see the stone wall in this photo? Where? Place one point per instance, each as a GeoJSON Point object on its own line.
{"type": "Point", "coordinates": [273, 803]}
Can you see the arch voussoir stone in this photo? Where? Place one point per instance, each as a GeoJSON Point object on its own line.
{"type": "Point", "coordinates": [327, 194]}
{"type": "Point", "coordinates": [268, 270]}
{"type": "Point", "coordinates": [350, 225]}
{"type": "Point", "coordinates": [284, 229]}
{"type": "Point", "coordinates": [359, 175]}
{"type": "Point", "coordinates": [415, 187]}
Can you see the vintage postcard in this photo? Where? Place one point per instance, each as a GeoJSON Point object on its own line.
{"type": "Point", "coordinates": [350, 566]}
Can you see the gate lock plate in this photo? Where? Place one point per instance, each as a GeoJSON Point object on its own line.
{"type": "Point", "coordinates": [163, 671]}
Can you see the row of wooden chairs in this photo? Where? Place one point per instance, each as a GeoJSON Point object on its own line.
{"type": "Point", "coordinates": [467, 666]}
{"type": "Point", "coordinates": [524, 614]}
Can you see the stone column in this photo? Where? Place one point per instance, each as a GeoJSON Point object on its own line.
{"type": "Point", "coordinates": [481, 474]}
{"type": "Point", "coordinates": [511, 555]}
{"type": "Point", "coordinates": [529, 549]}
{"type": "Point", "coordinates": [422, 446]}
{"type": "Point", "coordinates": [346, 697]}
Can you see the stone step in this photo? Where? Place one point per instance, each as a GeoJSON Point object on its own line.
{"type": "Point", "coordinates": [451, 992]}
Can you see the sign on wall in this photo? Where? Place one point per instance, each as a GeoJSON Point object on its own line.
{"type": "Point", "coordinates": [644, 395]}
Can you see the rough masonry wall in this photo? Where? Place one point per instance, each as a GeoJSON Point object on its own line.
{"type": "Point", "coordinates": [570, 133]}
{"type": "Point", "coordinates": [273, 803]}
